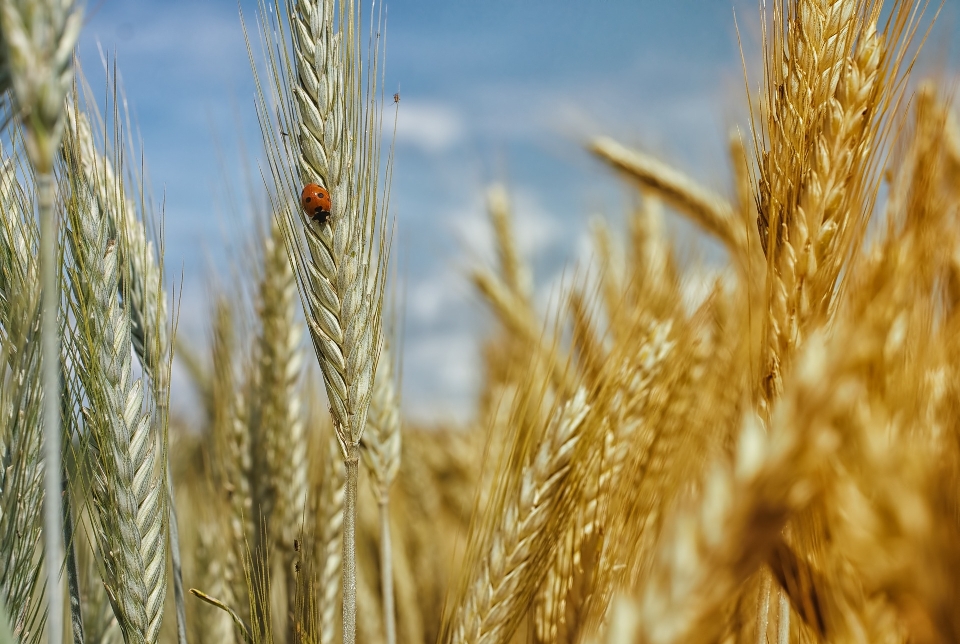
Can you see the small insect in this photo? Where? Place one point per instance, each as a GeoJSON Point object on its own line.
{"type": "Point", "coordinates": [315, 201]}
{"type": "Point", "coordinates": [396, 97]}
{"type": "Point", "coordinates": [296, 545]}
{"type": "Point", "coordinates": [296, 567]}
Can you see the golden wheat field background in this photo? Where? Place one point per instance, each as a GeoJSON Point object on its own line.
{"type": "Point", "coordinates": [777, 459]}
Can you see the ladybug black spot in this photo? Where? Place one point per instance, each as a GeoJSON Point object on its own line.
{"type": "Point", "coordinates": [308, 199]}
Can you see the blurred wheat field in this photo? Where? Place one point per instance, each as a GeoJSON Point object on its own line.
{"type": "Point", "coordinates": [777, 460]}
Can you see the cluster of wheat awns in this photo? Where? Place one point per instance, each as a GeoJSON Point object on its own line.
{"type": "Point", "coordinates": [766, 449]}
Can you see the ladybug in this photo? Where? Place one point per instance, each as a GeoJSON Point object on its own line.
{"type": "Point", "coordinates": [315, 201]}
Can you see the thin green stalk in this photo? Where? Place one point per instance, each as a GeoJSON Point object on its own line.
{"type": "Point", "coordinates": [50, 361]}
{"type": "Point", "coordinates": [386, 570]}
{"type": "Point", "coordinates": [351, 469]}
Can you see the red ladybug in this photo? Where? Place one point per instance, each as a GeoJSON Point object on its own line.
{"type": "Point", "coordinates": [315, 201]}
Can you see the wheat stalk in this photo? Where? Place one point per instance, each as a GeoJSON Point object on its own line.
{"type": "Point", "coordinates": [38, 39]}
{"type": "Point", "coordinates": [505, 574]}
{"type": "Point", "coordinates": [329, 100]}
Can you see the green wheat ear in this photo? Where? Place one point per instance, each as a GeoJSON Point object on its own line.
{"type": "Point", "coordinates": [327, 93]}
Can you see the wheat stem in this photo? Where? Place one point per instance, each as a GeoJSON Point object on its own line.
{"type": "Point", "coordinates": [763, 608]}
{"type": "Point", "coordinates": [50, 338]}
{"type": "Point", "coordinates": [783, 624]}
{"type": "Point", "coordinates": [351, 467]}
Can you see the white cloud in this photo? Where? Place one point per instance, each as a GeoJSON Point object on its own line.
{"type": "Point", "coordinates": [429, 299]}
{"type": "Point", "coordinates": [446, 375]}
{"type": "Point", "coordinates": [433, 127]}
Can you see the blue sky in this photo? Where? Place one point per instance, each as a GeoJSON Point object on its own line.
{"type": "Point", "coordinates": [490, 91]}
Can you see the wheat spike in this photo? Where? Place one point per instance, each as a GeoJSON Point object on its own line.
{"type": "Point", "coordinates": [515, 272]}
{"type": "Point", "coordinates": [710, 211]}
{"type": "Point", "coordinates": [130, 496]}
{"type": "Point", "coordinates": [214, 625]}
{"type": "Point", "coordinates": [38, 40]}
{"type": "Point", "coordinates": [489, 611]}
{"type": "Point", "coordinates": [381, 442]}
{"type": "Point", "coordinates": [381, 453]}
{"type": "Point", "coordinates": [230, 439]}
{"type": "Point", "coordinates": [339, 263]}
{"type": "Point", "coordinates": [141, 285]}
{"type": "Point", "coordinates": [280, 448]}
{"type": "Point", "coordinates": [822, 98]}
